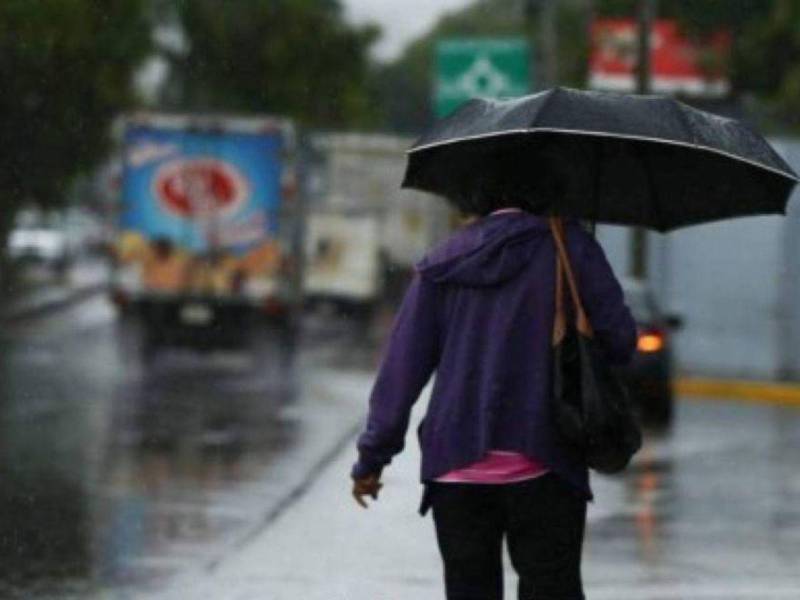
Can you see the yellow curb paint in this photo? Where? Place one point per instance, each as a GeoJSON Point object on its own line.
{"type": "Point", "coordinates": [749, 391]}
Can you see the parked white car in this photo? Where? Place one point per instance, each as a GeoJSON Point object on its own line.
{"type": "Point", "coordinates": [49, 246]}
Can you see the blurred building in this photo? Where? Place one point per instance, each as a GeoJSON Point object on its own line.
{"type": "Point", "coordinates": [695, 68]}
{"type": "Point", "coordinates": [735, 283]}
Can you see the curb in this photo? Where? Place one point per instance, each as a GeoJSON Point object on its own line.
{"type": "Point", "coordinates": [294, 494]}
{"type": "Point", "coordinates": [42, 308]}
{"type": "Point", "coordinates": [757, 392]}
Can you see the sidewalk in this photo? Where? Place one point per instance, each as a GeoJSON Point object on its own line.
{"type": "Point", "coordinates": [324, 547]}
{"type": "Point", "coordinates": [47, 294]}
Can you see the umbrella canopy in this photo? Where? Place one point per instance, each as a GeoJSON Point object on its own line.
{"type": "Point", "coordinates": [614, 158]}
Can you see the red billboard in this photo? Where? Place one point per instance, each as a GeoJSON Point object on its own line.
{"type": "Point", "coordinates": [679, 64]}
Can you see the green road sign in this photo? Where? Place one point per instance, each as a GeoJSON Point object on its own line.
{"type": "Point", "coordinates": [480, 67]}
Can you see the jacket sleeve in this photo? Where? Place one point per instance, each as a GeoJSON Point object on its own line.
{"type": "Point", "coordinates": [409, 360]}
{"type": "Point", "coordinates": [604, 303]}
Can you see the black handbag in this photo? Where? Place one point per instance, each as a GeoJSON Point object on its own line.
{"type": "Point", "coordinates": [590, 405]}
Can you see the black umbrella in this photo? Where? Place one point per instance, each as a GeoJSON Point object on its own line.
{"type": "Point", "coordinates": [614, 158]}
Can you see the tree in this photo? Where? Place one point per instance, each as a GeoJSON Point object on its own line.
{"type": "Point", "coordinates": [406, 85]}
{"type": "Point", "coordinates": [289, 57]}
{"type": "Point", "coordinates": [66, 68]}
{"type": "Point", "coordinates": [766, 38]}
{"type": "Point", "coordinates": [764, 64]}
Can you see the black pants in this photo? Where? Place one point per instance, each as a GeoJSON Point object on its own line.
{"type": "Point", "coordinates": [543, 521]}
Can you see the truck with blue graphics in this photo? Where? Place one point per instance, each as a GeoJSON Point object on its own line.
{"type": "Point", "coordinates": [208, 227]}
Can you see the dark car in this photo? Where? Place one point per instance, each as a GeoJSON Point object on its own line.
{"type": "Point", "coordinates": [649, 375]}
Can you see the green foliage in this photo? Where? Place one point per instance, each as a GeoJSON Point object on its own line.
{"type": "Point", "coordinates": [406, 85]}
{"type": "Point", "coordinates": [765, 60]}
{"type": "Point", "coordinates": [290, 57]}
{"type": "Point", "coordinates": [698, 14]}
{"type": "Point", "coordinates": [66, 69]}
{"type": "Point", "coordinates": [573, 43]}
{"type": "Point", "coordinates": [766, 40]}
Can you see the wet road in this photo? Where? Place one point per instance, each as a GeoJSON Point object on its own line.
{"type": "Point", "coordinates": [712, 511]}
{"type": "Point", "coordinates": [120, 479]}
{"type": "Point", "coordinates": [118, 475]}
{"type": "Point", "coordinates": [709, 513]}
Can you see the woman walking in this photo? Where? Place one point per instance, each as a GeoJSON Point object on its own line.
{"type": "Point", "coordinates": [479, 312]}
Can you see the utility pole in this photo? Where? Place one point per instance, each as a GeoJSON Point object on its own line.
{"type": "Point", "coordinates": [543, 13]}
{"type": "Point", "coordinates": [548, 32]}
{"type": "Point", "coordinates": [646, 14]}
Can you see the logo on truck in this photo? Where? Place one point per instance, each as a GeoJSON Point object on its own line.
{"type": "Point", "coordinates": [199, 187]}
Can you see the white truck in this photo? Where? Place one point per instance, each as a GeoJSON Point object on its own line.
{"type": "Point", "coordinates": [363, 232]}
{"type": "Point", "coordinates": [343, 260]}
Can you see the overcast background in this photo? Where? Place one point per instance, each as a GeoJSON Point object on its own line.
{"type": "Point", "coordinates": [401, 20]}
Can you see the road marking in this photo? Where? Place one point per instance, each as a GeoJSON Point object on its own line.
{"type": "Point", "coordinates": [763, 392]}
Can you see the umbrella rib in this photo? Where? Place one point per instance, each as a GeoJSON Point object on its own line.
{"type": "Point", "coordinates": [542, 107]}
{"type": "Point", "coordinates": [622, 136]}
{"type": "Point", "coordinates": [685, 122]}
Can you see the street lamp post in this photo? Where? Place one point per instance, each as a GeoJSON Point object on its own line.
{"type": "Point", "coordinates": [545, 13]}
{"type": "Point", "coordinates": [548, 32]}
{"type": "Point", "coordinates": [646, 12]}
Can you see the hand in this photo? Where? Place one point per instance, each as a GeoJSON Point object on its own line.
{"type": "Point", "coordinates": [366, 486]}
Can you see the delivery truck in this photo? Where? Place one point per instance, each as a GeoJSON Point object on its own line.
{"type": "Point", "coordinates": [208, 228]}
{"type": "Point", "coordinates": [364, 233]}
{"type": "Point", "coordinates": [343, 260]}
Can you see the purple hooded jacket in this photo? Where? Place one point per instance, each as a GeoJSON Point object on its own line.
{"type": "Point", "coordinates": [479, 312]}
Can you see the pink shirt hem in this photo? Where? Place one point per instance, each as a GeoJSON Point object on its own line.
{"type": "Point", "coordinates": [495, 468]}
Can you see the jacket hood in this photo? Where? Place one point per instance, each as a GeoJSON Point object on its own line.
{"type": "Point", "coordinates": [488, 252]}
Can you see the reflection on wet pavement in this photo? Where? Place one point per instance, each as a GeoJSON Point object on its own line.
{"type": "Point", "coordinates": [713, 507]}
{"type": "Point", "coordinates": [180, 438]}
{"type": "Point", "coordinates": [118, 474]}
{"type": "Point", "coordinates": [119, 477]}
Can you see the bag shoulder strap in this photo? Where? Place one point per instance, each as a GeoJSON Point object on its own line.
{"type": "Point", "coordinates": [564, 267]}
